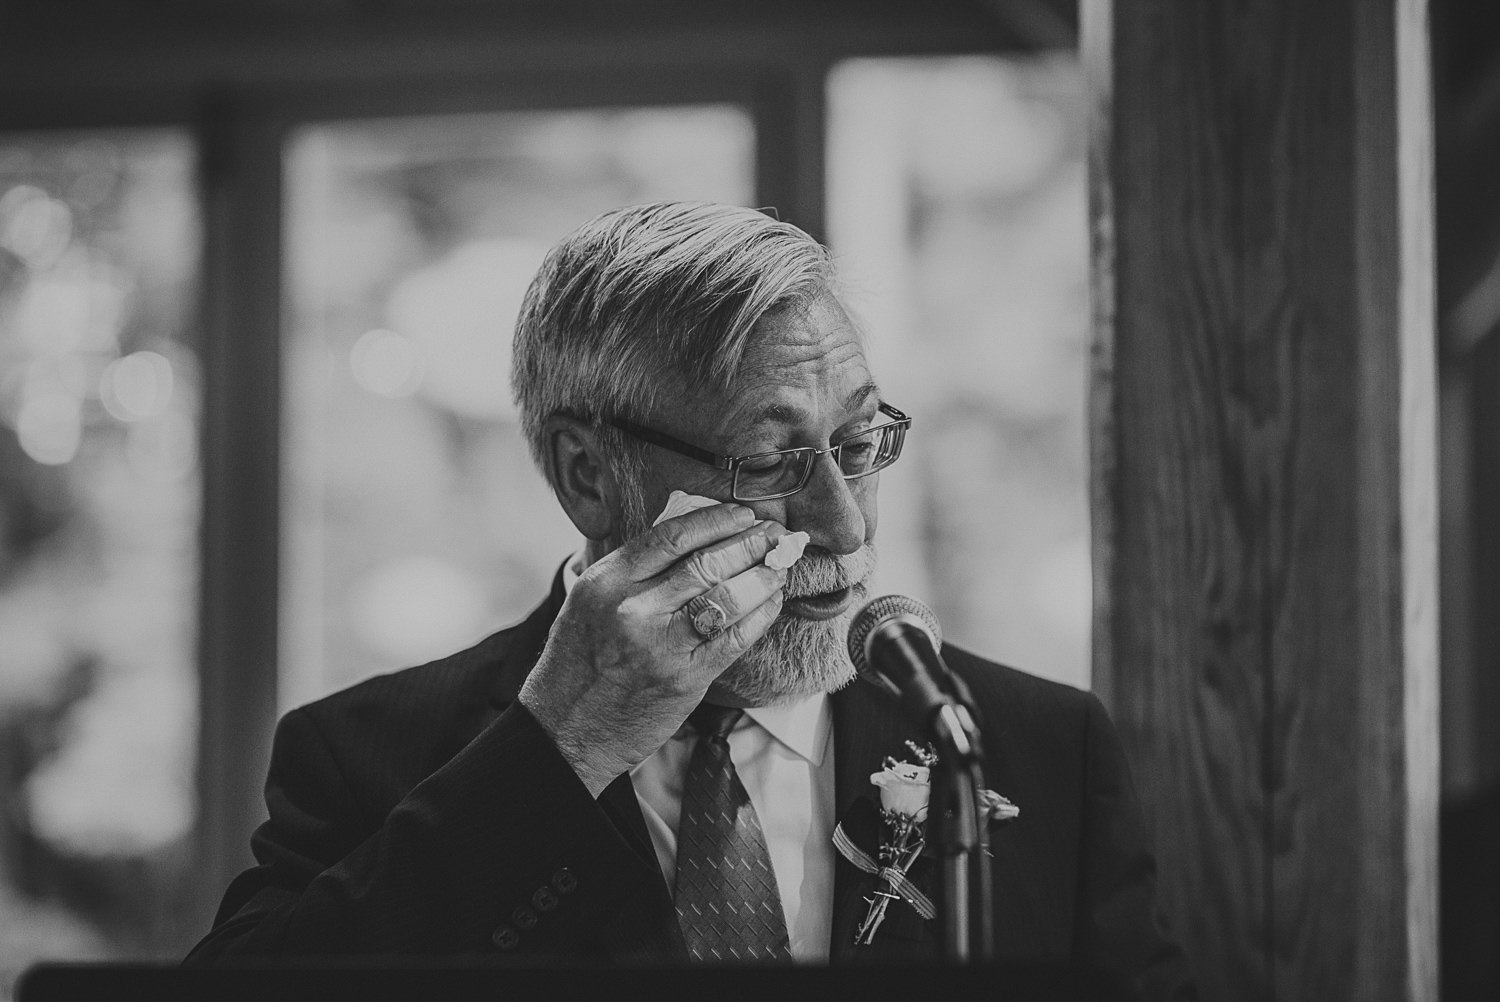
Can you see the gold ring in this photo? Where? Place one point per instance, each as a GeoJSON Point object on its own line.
{"type": "Point", "coordinates": [709, 618]}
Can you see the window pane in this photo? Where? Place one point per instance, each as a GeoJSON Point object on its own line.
{"type": "Point", "coordinates": [414, 522]}
{"type": "Point", "coordinates": [99, 512]}
{"type": "Point", "coordinates": [957, 208]}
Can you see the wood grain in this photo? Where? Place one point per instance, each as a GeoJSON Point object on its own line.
{"type": "Point", "coordinates": [1265, 530]}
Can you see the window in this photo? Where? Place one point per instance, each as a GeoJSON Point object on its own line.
{"type": "Point", "coordinates": [99, 509]}
{"type": "Point", "coordinates": [956, 204]}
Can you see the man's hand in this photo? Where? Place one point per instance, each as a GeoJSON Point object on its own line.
{"type": "Point", "coordinates": [623, 666]}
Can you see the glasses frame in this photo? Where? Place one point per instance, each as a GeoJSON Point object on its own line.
{"type": "Point", "coordinates": [731, 464]}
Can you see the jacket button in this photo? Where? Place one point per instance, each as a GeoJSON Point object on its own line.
{"type": "Point", "coordinates": [524, 918]}
{"type": "Point", "coordinates": [544, 899]}
{"type": "Point", "coordinates": [505, 937]}
{"type": "Point", "coordinates": [564, 882]}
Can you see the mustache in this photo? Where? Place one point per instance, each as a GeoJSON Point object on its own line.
{"type": "Point", "coordinates": [821, 571]}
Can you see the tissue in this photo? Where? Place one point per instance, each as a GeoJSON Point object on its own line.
{"type": "Point", "coordinates": [788, 549]}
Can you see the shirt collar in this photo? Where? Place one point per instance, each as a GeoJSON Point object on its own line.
{"type": "Point", "coordinates": [801, 726]}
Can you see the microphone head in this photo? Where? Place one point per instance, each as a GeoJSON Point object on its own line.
{"type": "Point", "coordinates": [882, 610]}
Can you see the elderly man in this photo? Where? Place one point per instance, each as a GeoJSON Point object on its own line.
{"type": "Point", "coordinates": [652, 765]}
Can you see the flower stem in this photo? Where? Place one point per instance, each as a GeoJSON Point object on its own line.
{"type": "Point", "coordinates": [866, 932]}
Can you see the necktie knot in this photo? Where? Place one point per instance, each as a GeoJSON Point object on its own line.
{"type": "Point", "coordinates": [714, 722]}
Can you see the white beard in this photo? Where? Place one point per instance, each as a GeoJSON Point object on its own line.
{"type": "Point", "coordinates": [793, 659]}
{"type": "Point", "coordinates": [799, 657]}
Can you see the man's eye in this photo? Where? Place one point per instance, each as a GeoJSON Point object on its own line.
{"type": "Point", "coordinates": [764, 464]}
{"type": "Point", "coordinates": [858, 456]}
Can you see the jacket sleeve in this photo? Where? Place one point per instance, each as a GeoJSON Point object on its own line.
{"type": "Point", "coordinates": [500, 851]}
{"type": "Point", "coordinates": [1121, 931]}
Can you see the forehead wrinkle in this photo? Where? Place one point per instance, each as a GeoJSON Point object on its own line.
{"type": "Point", "coordinates": [764, 361]}
{"type": "Point", "coordinates": [791, 414]}
{"type": "Point", "coordinates": [740, 415]}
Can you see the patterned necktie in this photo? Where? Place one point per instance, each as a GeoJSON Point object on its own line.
{"type": "Point", "coordinates": [727, 903]}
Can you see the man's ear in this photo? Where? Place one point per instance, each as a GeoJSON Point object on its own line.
{"type": "Point", "coordinates": [583, 477]}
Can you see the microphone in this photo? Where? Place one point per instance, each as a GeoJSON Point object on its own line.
{"type": "Point", "coordinates": [894, 643]}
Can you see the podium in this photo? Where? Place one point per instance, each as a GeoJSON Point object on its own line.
{"type": "Point", "coordinates": [421, 980]}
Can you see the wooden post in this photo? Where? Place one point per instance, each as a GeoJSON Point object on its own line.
{"type": "Point", "coordinates": [1264, 481]}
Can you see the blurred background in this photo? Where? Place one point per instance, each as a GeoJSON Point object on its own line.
{"type": "Point", "coordinates": [259, 264]}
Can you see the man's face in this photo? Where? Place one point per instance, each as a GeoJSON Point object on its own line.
{"type": "Point", "coordinates": [804, 381]}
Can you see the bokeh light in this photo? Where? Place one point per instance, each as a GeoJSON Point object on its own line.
{"type": "Point", "coordinates": [137, 386]}
{"type": "Point", "coordinates": [34, 226]}
{"type": "Point", "coordinates": [50, 426]}
{"type": "Point", "coordinates": [405, 609]}
{"type": "Point", "coordinates": [386, 364]}
{"type": "Point", "coordinates": [462, 309]}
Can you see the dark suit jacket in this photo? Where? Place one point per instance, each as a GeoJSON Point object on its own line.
{"type": "Point", "coordinates": [425, 812]}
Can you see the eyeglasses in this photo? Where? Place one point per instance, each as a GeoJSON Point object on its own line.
{"type": "Point", "coordinates": [765, 476]}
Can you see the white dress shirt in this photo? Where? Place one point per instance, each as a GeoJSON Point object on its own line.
{"type": "Point", "coordinates": [784, 758]}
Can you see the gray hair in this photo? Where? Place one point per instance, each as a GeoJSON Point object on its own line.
{"type": "Point", "coordinates": [642, 294]}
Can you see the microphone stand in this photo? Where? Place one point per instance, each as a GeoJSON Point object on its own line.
{"type": "Point", "coordinates": [957, 823]}
{"type": "Point", "coordinates": [960, 832]}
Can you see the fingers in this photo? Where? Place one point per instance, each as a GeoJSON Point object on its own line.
{"type": "Point", "coordinates": [712, 554]}
{"type": "Point", "coordinates": [663, 545]}
{"type": "Point", "coordinates": [717, 563]}
{"type": "Point", "coordinates": [739, 596]}
{"type": "Point", "coordinates": [735, 640]}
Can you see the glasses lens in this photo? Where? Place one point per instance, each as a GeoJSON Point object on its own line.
{"type": "Point", "coordinates": [869, 451]}
{"type": "Point", "coordinates": [771, 475]}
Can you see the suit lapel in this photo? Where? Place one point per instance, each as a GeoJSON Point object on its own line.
{"type": "Point", "coordinates": [648, 930]}
{"type": "Point", "coordinates": [623, 808]}
{"type": "Point", "coordinates": [867, 726]}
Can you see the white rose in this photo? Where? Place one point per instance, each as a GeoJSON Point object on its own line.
{"type": "Point", "coordinates": [904, 789]}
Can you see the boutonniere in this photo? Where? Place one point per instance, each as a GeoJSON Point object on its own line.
{"type": "Point", "coordinates": [904, 791]}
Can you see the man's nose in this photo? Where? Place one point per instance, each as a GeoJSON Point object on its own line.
{"type": "Point", "coordinates": [828, 508]}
